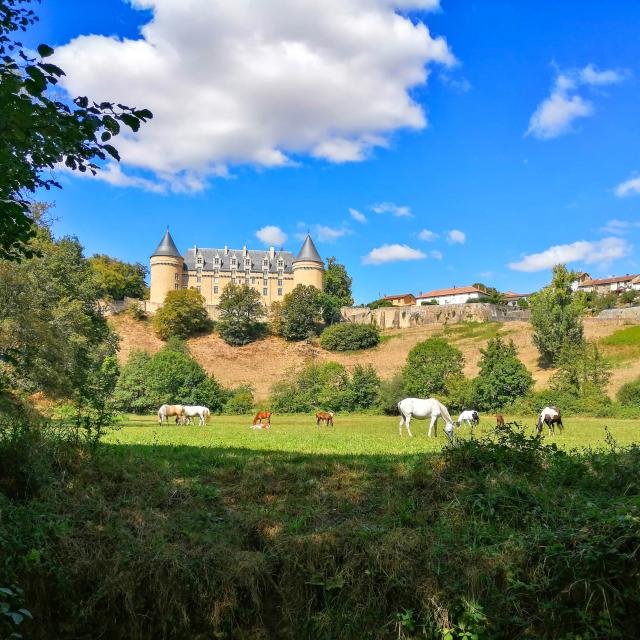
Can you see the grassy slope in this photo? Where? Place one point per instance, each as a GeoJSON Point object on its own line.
{"type": "Point", "coordinates": [263, 363]}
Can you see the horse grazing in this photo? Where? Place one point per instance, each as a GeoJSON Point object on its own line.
{"type": "Point", "coordinates": [262, 415]}
{"type": "Point", "coordinates": [324, 416]}
{"type": "Point", "coordinates": [470, 416]}
{"type": "Point", "coordinates": [166, 411]}
{"type": "Point", "coordinates": [499, 420]}
{"type": "Point", "coordinates": [551, 417]}
{"type": "Point", "coordinates": [421, 408]}
{"type": "Point", "coordinates": [202, 413]}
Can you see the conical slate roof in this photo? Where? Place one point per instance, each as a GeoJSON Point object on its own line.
{"type": "Point", "coordinates": [308, 251]}
{"type": "Point", "coordinates": [167, 247]}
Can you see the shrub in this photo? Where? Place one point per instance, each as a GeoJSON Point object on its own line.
{"type": "Point", "coordinates": [364, 388]}
{"type": "Point", "coordinates": [430, 364]}
{"type": "Point", "coordinates": [299, 315]}
{"type": "Point", "coordinates": [131, 393]}
{"type": "Point", "coordinates": [240, 401]}
{"type": "Point", "coordinates": [629, 296]}
{"type": "Point", "coordinates": [183, 314]}
{"type": "Point", "coordinates": [390, 393]}
{"type": "Point", "coordinates": [349, 337]}
{"type": "Point", "coordinates": [503, 377]}
{"type": "Point", "coordinates": [460, 393]}
{"type": "Point", "coordinates": [136, 311]}
{"type": "Point", "coordinates": [380, 304]}
{"type": "Point", "coordinates": [331, 308]}
{"type": "Point", "coordinates": [629, 394]}
{"type": "Point", "coordinates": [241, 310]}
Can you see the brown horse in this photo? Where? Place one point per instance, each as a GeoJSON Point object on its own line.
{"type": "Point", "coordinates": [324, 416]}
{"type": "Point", "coordinates": [499, 420]}
{"type": "Point", "coordinates": [262, 415]}
{"type": "Point", "coordinates": [168, 410]}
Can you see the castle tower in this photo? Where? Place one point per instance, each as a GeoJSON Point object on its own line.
{"type": "Point", "coordinates": [308, 267]}
{"type": "Point", "coordinates": [166, 269]}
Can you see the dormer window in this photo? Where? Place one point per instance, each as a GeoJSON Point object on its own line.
{"type": "Point", "coordinates": [247, 262]}
{"type": "Point", "coordinates": [199, 260]}
{"type": "Point", "coordinates": [216, 261]}
{"type": "Point", "coordinates": [280, 263]}
{"type": "Point", "coordinates": [234, 262]}
{"type": "Point", "coordinates": [265, 263]}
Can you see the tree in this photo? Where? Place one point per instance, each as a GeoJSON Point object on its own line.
{"type": "Point", "coordinates": [379, 304]}
{"type": "Point", "coordinates": [556, 316]}
{"type": "Point", "coordinates": [240, 313]}
{"type": "Point", "coordinates": [364, 388]}
{"type": "Point", "coordinates": [629, 394]}
{"type": "Point", "coordinates": [300, 313]}
{"type": "Point", "coordinates": [330, 308]}
{"type": "Point", "coordinates": [131, 393]}
{"type": "Point", "coordinates": [183, 314]}
{"type": "Point", "coordinates": [349, 336]}
{"type": "Point", "coordinates": [38, 131]}
{"type": "Point", "coordinates": [116, 279]}
{"type": "Point", "coordinates": [430, 365]}
{"type": "Point", "coordinates": [337, 282]}
{"type": "Point", "coordinates": [503, 377]}
{"type": "Point", "coordinates": [495, 296]}
{"type": "Point", "coordinates": [582, 372]}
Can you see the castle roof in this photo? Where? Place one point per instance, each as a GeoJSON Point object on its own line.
{"type": "Point", "coordinates": [167, 247]}
{"type": "Point", "coordinates": [234, 260]}
{"type": "Point", "coordinates": [308, 252]}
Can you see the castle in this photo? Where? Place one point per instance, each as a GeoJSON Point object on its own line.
{"type": "Point", "coordinates": [273, 274]}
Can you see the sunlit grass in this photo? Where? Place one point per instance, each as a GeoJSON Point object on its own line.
{"type": "Point", "coordinates": [622, 346]}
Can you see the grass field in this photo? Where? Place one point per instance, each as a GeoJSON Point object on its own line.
{"type": "Point", "coordinates": [353, 435]}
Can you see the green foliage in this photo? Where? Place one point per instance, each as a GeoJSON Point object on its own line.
{"type": "Point", "coordinates": [330, 308]}
{"type": "Point", "coordinates": [240, 401]}
{"type": "Point", "coordinates": [460, 393]}
{"type": "Point", "coordinates": [629, 296]}
{"type": "Point", "coordinates": [522, 304]}
{"type": "Point", "coordinates": [627, 337]}
{"type": "Point", "coordinates": [300, 313]}
{"type": "Point", "coordinates": [116, 279]}
{"type": "Point", "coordinates": [495, 297]}
{"type": "Point", "coordinates": [430, 365]}
{"type": "Point", "coordinates": [349, 336]}
{"type": "Point", "coordinates": [337, 282]}
{"type": "Point", "coordinates": [379, 304]}
{"type": "Point", "coordinates": [12, 612]}
{"type": "Point", "coordinates": [39, 130]}
{"type": "Point", "coordinates": [183, 314]}
{"type": "Point", "coordinates": [556, 316]}
{"type": "Point", "coordinates": [391, 392]}
{"type": "Point", "coordinates": [326, 386]}
{"type": "Point", "coordinates": [171, 376]}
{"type": "Point", "coordinates": [629, 394]}
{"type": "Point", "coordinates": [136, 311]}
{"type": "Point", "coordinates": [241, 311]}
{"type": "Point", "coordinates": [599, 301]}
{"type": "Point", "coordinates": [503, 377]}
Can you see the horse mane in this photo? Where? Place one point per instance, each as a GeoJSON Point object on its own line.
{"type": "Point", "coordinates": [445, 412]}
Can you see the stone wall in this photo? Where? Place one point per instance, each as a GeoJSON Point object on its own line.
{"type": "Point", "coordinates": [415, 316]}
{"type": "Point", "coordinates": [629, 313]}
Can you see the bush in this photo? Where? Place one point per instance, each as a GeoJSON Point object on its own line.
{"type": "Point", "coordinates": [629, 394]}
{"type": "Point", "coordinates": [241, 310]}
{"type": "Point", "coordinates": [503, 377]}
{"type": "Point", "coordinates": [299, 315]}
{"type": "Point", "coordinates": [390, 393]}
{"type": "Point", "coordinates": [629, 296]}
{"type": "Point", "coordinates": [136, 311]}
{"type": "Point", "coordinates": [380, 304]}
{"type": "Point", "coordinates": [183, 314]}
{"type": "Point", "coordinates": [430, 364]}
{"type": "Point", "coordinates": [364, 388]}
{"type": "Point", "coordinates": [240, 401]}
{"type": "Point", "coordinates": [349, 337]}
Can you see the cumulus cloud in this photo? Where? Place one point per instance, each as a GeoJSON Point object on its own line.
{"type": "Point", "coordinates": [329, 234]}
{"type": "Point", "coordinates": [112, 174]}
{"type": "Point", "coordinates": [455, 236]}
{"type": "Point", "coordinates": [271, 235]}
{"type": "Point", "coordinates": [435, 254]}
{"type": "Point", "coordinates": [601, 251]}
{"type": "Point", "coordinates": [392, 253]}
{"type": "Point", "coordinates": [393, 209]}
{"type": "Point", "coordinates": [555, 115]}
{"type": "Point", "coordinates": [357, 215]}
{"type": "Point", "coordinates": [259, 83]}
{"type": "Point", "coordinates": [628, 188]}
{"type": "Point", "coordinates": [428, 235]}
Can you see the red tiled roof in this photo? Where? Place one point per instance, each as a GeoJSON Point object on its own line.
{"type": "Point", "coordinates": [447, 292]}
{"type": "Point", "coordinates": [400, 295]}
{"type": "Point", "coordinates": [511, 294]}
{"type": "Point", "coordinates": [625, 278]}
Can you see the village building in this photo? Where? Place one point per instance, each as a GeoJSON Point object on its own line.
{"type": "Point", "coordinates": [455, 295]}
{"type": "Point", "coordinates": [272, 273]}
{"type": "Point", "coordinates": [512, 298]}
{"type": "Point", "coordinates": [613, 284]}
{"type": "Point", "coordinates": [401, 300]}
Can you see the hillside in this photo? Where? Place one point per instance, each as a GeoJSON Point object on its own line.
{"type": "Point", "coordinates": [262, 363]}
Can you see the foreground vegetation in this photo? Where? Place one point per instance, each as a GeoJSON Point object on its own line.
{"type": "Point", "coordinates": [305, 532]}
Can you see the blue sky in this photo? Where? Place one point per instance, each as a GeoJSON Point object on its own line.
{"type": "Point", "coordinates": [351, 125]}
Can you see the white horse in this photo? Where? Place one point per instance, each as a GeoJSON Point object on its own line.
{"type": "Point", "coordinates": [551, 417]}
{"type": "Point", "coordinates": [192, 411]}
{"type": "Point", "coordinates": [470, 416]}
{"type": "Point", "coordinates": [424, 408]}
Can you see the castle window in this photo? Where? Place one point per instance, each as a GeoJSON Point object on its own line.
{"type": "Point", "coordinates": [216, 261]}
{"type": "Point", "coordinates": [199, 260]}
{"type": "Point", "coordinates": [247, 262]}
{"type": "Point", "coordinates": [253, 280]}
{"type": "Point", "coordinates": [216, 279]}
{"type": "Point", "coordinates": [265, 263]}
{"type": "Point", "coordinates": [279, 283]}
{"type": "Point", "coordinates": [177, 277]}
{"type": "Point", "coordinates": [199, 278]}
{"type": "Point", "coordinates": [234, 262]}
{"type": "Point", "coordinates": [264, 291]}
{"type": "Point", "coordinates": [279, 292]}
{"type": "Point", "coordinates": [265, 282]}
{"type": "Point", "coordinates": [215, 289]}
{"type": "Point", "coordinates": [177, 286]}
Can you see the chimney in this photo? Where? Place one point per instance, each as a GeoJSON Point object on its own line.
{"type": "Point", "coordinates": [272, 252]}
{"type": "Point", "coordinates": [226, 250]}
{"type": "Point", "coordinates": [244, 251]}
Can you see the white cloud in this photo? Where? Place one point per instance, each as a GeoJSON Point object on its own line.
{"type": "Point", "coordinates": [392, 253]}
{"type": "Point", "coordinates": [393, 209]}
{"type": "Point", "coordinates": [329, 234]}
{"type": "Point", "coordinates": [628, 188]}
{"type": "Point", "coordinates": [601, 251]}
{"type": "Point", "coordinates": [556, 114]}
{"type": "Point", "coordinates": [259, 83]}
{"type": "Point", "coordinates": [271, 235]}
{"type": "Point", "coordinates": [435, 254]}
{"type": "Point", "coordinates": [112, 174]}
{"type": "Point", "coordinates": [455, 236]}
{"type": "Point", "coordinates": [357, 215]}
{"type": "Point", "coordinates": [428, 235]}
{"type": "Point", "coordinates": [620, 227]}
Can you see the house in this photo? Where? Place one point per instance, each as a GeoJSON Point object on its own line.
{"type": "Point", "coordinates": [401, 300]}
{"type": "Point", "coordinates": [580, 279]}
{"type": "Point", "coordinates": [614, 284]}
{"type": "Point", "coordinates": [512, 298]}
{"type": "Point", "coordinates": [455, 295]}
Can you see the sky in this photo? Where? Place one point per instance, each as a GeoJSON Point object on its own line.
{"type": "Point", "coordinates": [425, 144]}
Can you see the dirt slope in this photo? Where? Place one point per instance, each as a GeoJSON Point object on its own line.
{"type": "Point", "coordinates": [261, 364]}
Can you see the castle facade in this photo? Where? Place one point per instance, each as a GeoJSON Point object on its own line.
{"type": "Point", "coordinates": [272, 273]}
